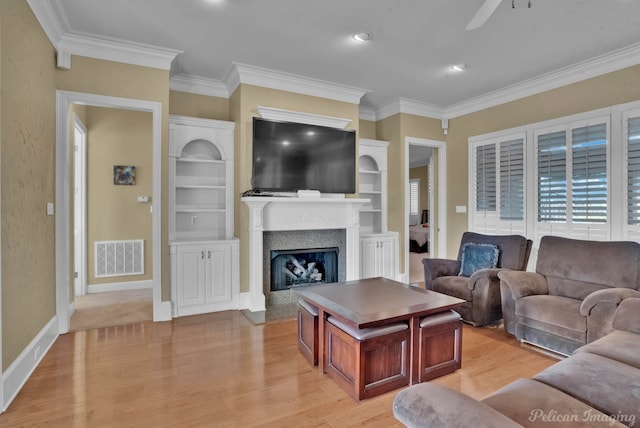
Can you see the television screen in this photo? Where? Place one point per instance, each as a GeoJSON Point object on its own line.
{"type": "Point", "coordinates": [292, 156]}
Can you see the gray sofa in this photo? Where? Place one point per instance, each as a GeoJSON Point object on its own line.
{"type": "Point", "coordinates": [481, 291]}
{"type": "Point", "coordinates": [599, 386]}
{"type": "Point", "coordinates": [571, 297]}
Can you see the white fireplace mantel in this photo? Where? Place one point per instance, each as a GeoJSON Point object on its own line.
{"type": "Point", "coordinates": [299, 213]}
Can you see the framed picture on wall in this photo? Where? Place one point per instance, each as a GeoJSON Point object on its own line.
{"type": "Point", "coordinates": [124, 174]}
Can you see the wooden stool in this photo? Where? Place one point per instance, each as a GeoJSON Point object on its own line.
{"type": "Point", "coordinates": [440, 345]}
{"type": "Point", "coordinates": [308, 331]}
{"type": "Point", "coordinates": [367, 362]}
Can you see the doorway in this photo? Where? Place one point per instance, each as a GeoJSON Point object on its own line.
{"type": "Point", "coordinates": [425, 205]}
{"type": "Point", "coordinates": [64, 242]}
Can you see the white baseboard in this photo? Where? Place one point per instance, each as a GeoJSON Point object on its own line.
{"type": "Point", "coordinates": [119, 286]}
{"type": "Point", "coordinates": [72, 308]}
{"type": "Point", "coordinates": [245, 301]}
{"type": "Point", "coordinates": [164, 312]}
{"type": "Point", "coordinates": [14, 378]}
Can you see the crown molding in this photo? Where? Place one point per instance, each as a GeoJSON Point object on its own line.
{"type": "Point", "coordinates": [603, 64]}
{"type": "Point", "coordinates": [367, 113]}
{"type": "Point", "coordinates": [117, 50]}
{"type": "Point", "coordinates": [405, 105]}
{"type": "Point", "coordinates": [267, 78]}
{"type": "Point", "coordinates": [51, 18]}
{"type": "Point", "coordinates": [301, 117]}
{"type": "Point", "coordinates": [198, 85]}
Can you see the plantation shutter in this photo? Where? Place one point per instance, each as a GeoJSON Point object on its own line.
{"type": "Point", "coordinates": [552, 177]}
{"type": "Point", "coordinates": [633, 170]}
{"type": "Point", "coordinates": [589, 177]}
{"type": "Point", "coordinates": [512, 180]}
{"type": "Point", "coordinates": [414, 190]}
{"type": "Point", "coordinates": [486, 178]}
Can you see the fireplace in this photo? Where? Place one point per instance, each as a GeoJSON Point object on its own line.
{"type": "Point", "coordinates": [327, 247]}
{"type": "Point", "coordinates": [298, 268]}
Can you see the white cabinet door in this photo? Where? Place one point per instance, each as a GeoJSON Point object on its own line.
{"type": "Point", "coordinates": [191, 276]}
{"type": "Point", "coordinates": [368, 258]}
{"type": "Point", "coordinates": [218, 274]}
{"type": "Point", "coordinates": [387, 257]}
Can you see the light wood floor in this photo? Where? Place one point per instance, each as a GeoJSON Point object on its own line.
{"type": "Point", "coordinates": [218, 370]}
{"type": "Point", "coordinates": [112, 308]}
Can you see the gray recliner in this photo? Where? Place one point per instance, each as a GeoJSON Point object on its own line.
{"type": "Point", "coordinates": [481, 291]}
{"type": "Point", "coordinates": [572, 296]}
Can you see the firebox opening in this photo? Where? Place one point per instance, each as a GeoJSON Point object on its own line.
{"type": "Point", "coordinates": [295, 268]}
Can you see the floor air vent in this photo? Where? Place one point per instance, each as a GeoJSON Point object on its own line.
{"type": "Point", "coordinates": [119, 258]}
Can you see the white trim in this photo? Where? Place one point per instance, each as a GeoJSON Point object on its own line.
{"type": "Point", "coordinates": [442, 196]}
{"type": "Point", "coordinates": [112, 49]}
{"type": "Point", "coordinates": [367, 113]}
{"type": "Point", "coordinates": [81, 152]}
{"type": "Point", "coordinates": [63, 101]}
{"type": "Point", "coordinates": [51, 18]}
{"type": "Point", "coordinates": [198, 85]}
{"type": "Point", "coordinates": [301, 117]}
{"type": "Point", "coordinates": [405, 105]}
{"type": "Point", "coordinates": [267, 78]}
{"type": "Point", "coordinates": [14, 378]}
{"type": "Point", "coordinates": [119, 286]}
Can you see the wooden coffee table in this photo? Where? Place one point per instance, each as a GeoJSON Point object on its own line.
{"type": "Point", "coordinates": [374, 302]}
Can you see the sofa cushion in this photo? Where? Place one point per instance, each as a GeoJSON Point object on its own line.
{"type": "Point", "coordinates": [621, 346]}
{"type": "Point", "coordinates": [553, 314]}
{"type": "Point", "coordinates": [605, 384]}
{"type": "Point", "coordinates": [456, 286]}
{"type": "Point", "coordinates": [476, 257]}
{"type": "Point", "coordinates": [514, 249]}
{"type": "Point", "coordinates": [532, 403]}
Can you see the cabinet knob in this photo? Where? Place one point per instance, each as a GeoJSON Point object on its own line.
{"type": "Point", "coordinates": [209, 254]}
{"type": "Point", "coordinates": [202, 254]}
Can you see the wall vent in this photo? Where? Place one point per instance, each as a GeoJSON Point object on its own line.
{"type": "Point", "coordinates": [119, 258]}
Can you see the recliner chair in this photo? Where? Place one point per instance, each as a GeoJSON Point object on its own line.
{"type": "Point", "coordinates": [480, 290]}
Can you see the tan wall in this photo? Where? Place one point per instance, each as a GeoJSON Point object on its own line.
{"type": "Point", "coordinates": [116, 79]}
{"type": "Point", "coordinates": [610, 89]}
{"type": "Point", "coordinates": [118, 137]}
{"type": "Point", "coordinates": [367, 129]}
{"type": "Point", "coordinates": [202, 106]}
{"type": "Point", "coordinates": [242, 109]}
{"type": "Point", "coordinates": [27, 152]}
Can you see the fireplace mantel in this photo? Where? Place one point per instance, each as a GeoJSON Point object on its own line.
{"type": "Point", "coordinates": [299, 213]}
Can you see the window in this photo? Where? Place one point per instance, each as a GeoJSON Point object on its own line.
{"type": "Point", "coordinates": [486, 178]}
{"type": "Point", "coordinates": [552, 177]}
{"type": "Point", "coordinates": [512, 180]}
{"type": "Point", "coordinates": [414, 200]}
{"type": "Point", "coordinates": [589, 174]}
{"type": "Point", "coordinates": [633, 170]}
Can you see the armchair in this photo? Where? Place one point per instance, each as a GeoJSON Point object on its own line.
{"type": "Point", "coordinates": [571, 298]}
{"type": "Point", "coordinates": [481, 290]}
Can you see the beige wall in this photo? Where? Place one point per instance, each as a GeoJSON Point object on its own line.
{"type": "Point", "coordinates": [202, 106]}
{"type": "Point", "coordinates": [243, 104]}
{"type": "Point", "coordinates": [367, 129]}
{"type": "Point", "coordinates": [118, 137]}
{"type": "Point", "coordinates": [27, 152]}
{"type": "Point", "coordinates": [610, 89]}
{"type": "Point", "coordinates": [116, 79]}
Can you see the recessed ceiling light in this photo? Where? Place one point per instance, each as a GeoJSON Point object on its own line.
{"type": "Point", "coordinates": [459, 67]}
{"type": "Point", "coordinates": [362, 37]}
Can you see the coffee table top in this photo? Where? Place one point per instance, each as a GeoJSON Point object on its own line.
{"type": "Point", "coordinates": [375, 301]}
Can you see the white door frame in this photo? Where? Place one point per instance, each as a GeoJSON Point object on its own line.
{"type": "Point", "coordinates": [80, 207]}
{"type": "Point", "coordinates": [64, 99]}
{"type": "Point", "coordinates": [441, 250]}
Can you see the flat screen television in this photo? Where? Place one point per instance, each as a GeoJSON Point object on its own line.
{"type": "Point", "coordinates": [288, 157]}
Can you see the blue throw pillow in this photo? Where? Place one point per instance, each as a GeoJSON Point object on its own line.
{"type": "Point", "coordinates": [476, 257]}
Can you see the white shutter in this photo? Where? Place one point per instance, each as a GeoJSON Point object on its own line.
{"type": "Point", "coordinates": [552, 177]}
{"type": "Point", "coordinates": [633, 170]}
{"type": "Point", "coordinates": [486, 177]}
{"type": "Point", "coordinates": [512, 180]}
{"type": "Point", "coordinates": [589, 174]}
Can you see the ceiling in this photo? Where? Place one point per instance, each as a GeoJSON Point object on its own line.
{"type": "Point", "coordinates": [413, 45]}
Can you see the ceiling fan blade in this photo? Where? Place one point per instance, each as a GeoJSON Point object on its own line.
{"type": "Point", "coordinates": [484, 13]}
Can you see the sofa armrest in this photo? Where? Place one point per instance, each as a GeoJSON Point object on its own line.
{"type": "Point", "coordinates": [433, 405]}
{"type": "Point", "coordinates": [524, 284]}
{"type": "Point", "coordinates": [626, 317]}
{"type": "Point", "coordinates": [606, 295]}
{"type": "Point", "coordinates": [434, 268]}
{"type": "Point", "coordinates": [484, 276]}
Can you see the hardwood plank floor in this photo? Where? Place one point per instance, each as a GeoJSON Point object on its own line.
{"type": "Point", "coordinates": [219, 370]}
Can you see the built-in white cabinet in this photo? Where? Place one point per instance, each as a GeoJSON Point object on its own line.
{"type": "Point", "coordinates": [205, 276]}
{"type": "Point", "coordinates": [203, 251]}
{"type": "Point", "coordinates": [379, 256]}
{"type": "Point", "coordinates": [378, 246]}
